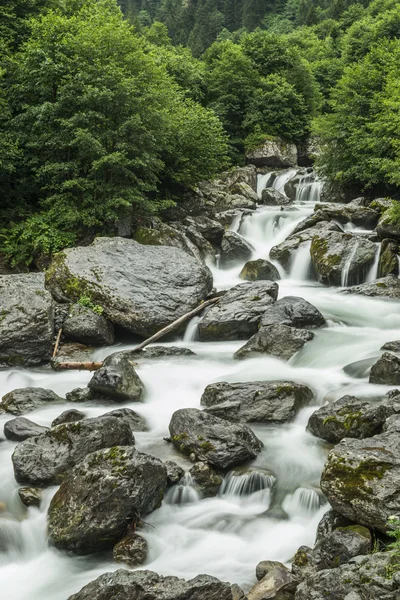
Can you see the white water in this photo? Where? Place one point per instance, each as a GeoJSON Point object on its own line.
{"type": "Point", "coordinates": [228, 535]}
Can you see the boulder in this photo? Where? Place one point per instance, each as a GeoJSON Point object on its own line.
{"type": "Point", "coordinates": [118, 379]}
{"type": "Point", "coordinates": [272, 197]}
{"type": "Point", "coordinates": [234, 249]}
{"type": "Point", "coordinates": [210, 229]}
{"type": "Point", "coordinates": [71, 415]}
{"type": "Point", "coordinates": [88, 327]}
{"type": "Point", "coordinates": [361, 479]}
{"type": "Point", "coordinates": [80, 395]}
{"type": "Point", "coordinates": [275, 153]}
{"type": "Point", "coordinates": [386, 370]}
{"type": "Point", "coordinates": [30, 496]}
{"type": "Point", "coordinates": [348, 417]}
{"type": "Point", "coordinates": [341, 258]}
{"type": "Point", "coordinates": [386, 229]}
{"type": "Point", "coordinates": [162, 352]}
{"type": "Point", "coordinates": [129, 416]}
{"type": "Point", "coordinates": [26, 320]}
{"type": "Point", "coordinates": [294, 312]}
{"type": "Point", "coordinates": [234, 201]}
{"type": "Point", "coordinates": [131, 550]}
{"type": "Point", "coordinates": [389, 259]}
{"type": "Point", "coordinates": [227, 217]}
{"type": "Point", "coordinates": [259, 270]}
{"type": "Point", "coordinates": [392, 346]}
{"type": "Point", "coordinates": [329, 522]}
{"type": "Point", "coordinates": [174, 472]}
{"type": "Point", "coordinates": [195, 243]}
{"type": "Point", "coordinates": [20, 429]}
{"type": "Point", "coordinates": [238, 314]}
{"type": "Point", "coordinates": [46, 459]}
{"type": "Point", "coordinates": [256, 402]}
{"type": "Point", "coordinates": [107, 492]}
{"type": "Point", "coordinates": [21, 401]}
{"type": "Point", "coordinates": [147, 585]}
{"type": "Point", "coordinates": [213, 440]}
{"type": "Point", "coordinates": [316, 217]}
{"type": "Point", "coordinates": [275, 340]}
{"type": "Point", "coordinates": [141, 288]}
{"type": "Point", "coordinates": [275, 582]}
{"type": "Point", "coordinates": [205, 479]}
{"type": "Point", "coordinates": [233, 177]}
{"type": "Point", "coordinates": [385, 287]}
{"type": "Point", "coordinates": [354, 212]}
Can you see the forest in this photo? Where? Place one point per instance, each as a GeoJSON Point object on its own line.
{"type": "Point", "coordinates": [111, 112]}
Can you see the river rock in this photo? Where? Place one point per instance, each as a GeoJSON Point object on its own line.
{"type": "Point", "coordinates": [129, 416]}
{"type": "Point", "coordinates": [361, 479]}
{"type": "Point", "coordinates": [238, 314]}
{"type": "Point", "coordinates": [385, 287]}
{"type": "Point", "coordinates": [88, 327]}
{"type": "Point", "coordinates": [26, 320]}
{"type": "Point", "coordinates": [259, 270]}
{"type": "Point", "coordinates": [25, 400]}
{"type": "Point", "coordinates": [392, 346]}
{"type": "Point", "coordinates": [272, 197]}
{"type": "Point", "coordinates": [275, 340]}
{"type": "Point", "coordinates": [210, 229]}
{"type": "Point", "coordinates": [20, 429]}
{"type": "Point", "coordinates": [386, 370]}
{"type": "Point", "coordinates": [348, 417]}
{"type": "Point", "coordinates": [141, 288]}
{"type": "Point", "coordinates": [213, 440]}
{"type": "Point", "coordinates": [118, 379]}
{"type": "Point", "coordinates": [131, 550]}
{"type": "Point", "coordinates": [389, 259]}
{"type": "Point", "coordinates": [354, 212]}
{"type": "Point", "coordinates": [329, 522]}
{"type": "Point", "coordinates": [275, 582]}
{"type": "Point", "coordinates": [174, 472]}
{"type": "Point", "coordinates": [275, 153]}
{"type": "Point", "coordinates": [234, 249]}
{"type": "Point", "coordinates": [162, 352]}
{"type": "Point", "coordinates": [30, 496]}
{"type": "Point", "coordinates": [195, 243]}
{"type": "Point", "coordinates": [80, 395]}
{"type": "Point", "coordinates": [147, 585]}
{"type": "Point", "coordinates": [316, 217]}
{"type": "Point", "coordinates": [46, 458]}
{"type": "Point", "coordinates": [259, 401]}
{"type": "Point", "coordinates": [387, 229]}
{"type": "Point", "coordinates": [294, 312]}
{"type": "Point", "coordinates": [341, 258]}
{"type": "Point", "coordinates": [205, 479]}
{"type": "Point", "coordinates": [71, 415]}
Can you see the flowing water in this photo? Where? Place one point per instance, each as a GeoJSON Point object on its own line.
{"type": "Point", "coordinates": [265, 511]}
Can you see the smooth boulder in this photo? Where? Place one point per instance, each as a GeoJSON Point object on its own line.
{"type": "Point", "coordinates": [20, 429]}
{"type": "Point", "coordinates": [234, 249]}
{"type": "Point", "coordinates": [259, 270]}
{"type": "Point", "coordinates": [131, 550]}
{"type": "Point", "coordinates": [85, 326]}
{"type": "Point", "coordinates": [386, 370]}
{"type": "Point", "coordinates": [211, 439]}
{"type": "Point", "coordinates": [275, 153]}
{"type": "Point", "coordinates": [294, 312]}
{"type": "Point", "coordinates": [71, 415]}
{"type": "Point", "coordinates": [23, 400]}
{"type": "Point", "coordinates": [129, 416]}
{"type": "Point", "coordinates": [280, 341]}
{"type": "Point", "coordinates": [272, 197]}
{"type": "Point", "coordinates": [384, 287]}
{"type": "Point", "coordinates": [118, 379]}
{"type": "Point", "coordinates": [105, 493]}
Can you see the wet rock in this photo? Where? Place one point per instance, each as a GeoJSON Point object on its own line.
{"type": "Point", "coordinates": [354, 212]}
{"type": "Point", "coordinates": [79, 395]}
{"type": "Point", "coordinates": [213, 440]}
{"type": "Point", "coordinates": [341, 258]}
{"type": "Point", "coordinates": [234, 201]}
{"type": "Point", "coordinates": [317, 217]}
{"type": "Point", "coordinates": [392, 346]}
{"type": "Point", "coordinates": [70, 415]}
{"type": "Point", "coordinates": [387, 229]}
{"type": "Point", "coordinates": [361, 479]}
{"type": "Point", "coordinates": [26, 320]}
{"type": "Point", "coordinates": [60, 314]}
{"type": "Point", "coordinates": [238, 593]}
{"type": "Point", "coordinates": [205, 479]}
{"type": "Point", "coordinates": [275, 340]}
{"type": "Point", "coordinates": [227, 217]}
{"type": "Point", "coordinates": [275, 582]}
{"type": "Point", "coordinates": [259, 270]}
{"type": "Point", "coordinates": [131, 550]}
{"type": "Point", "coordinates": [195, 243]}
{"type": "Point", "coordinates": [162, 352]}
{"type": "Point", "coordinates": [210, 229]}
{"type": "Point", "coordinates": [259, 401]}
{"type": "Point", "coordinates": [294, 312]}
{"type": "Point", "coordinates": [30, 496]}
{"type": "Point", "coordinates": [132, 585]}
{"type": "Point", "coordinates": [141, 288]}
{"type": "Point", "coordinates": [174, 472]}
{"type": "Point", "coordinates": [88, 327]}
{"type": "Point", "coordinates": [389, 259]}
{"type": "Point", "coordinates": [46, 458]}
{"type": "Point", "coordinates": [129, 416]}
{"type": "Point", "coordinates": [274, 153]}
{"type": "Point", "coordinates": [386, 370]}
{"type": "Point", "coordinates": [238, 314]}
{"type": "Point", "coordinates": [118, 379]}
{"type": "Point", "coordinates": [348, 417]}
{"type": "Point", "coordinates": [21, 401]}
{"type": "Point", "coordinates": [329, 522]}
{"type": "Point", "coordinates": [271, 197]}
{"type": "Point", "coordinates": [105, 493]}
{"type": "Point", "coordinates": [385, 287]}
{"type": "Point", "coordinates": [234, 249]}
{"type": "Point", "coordinates": [20, 429]}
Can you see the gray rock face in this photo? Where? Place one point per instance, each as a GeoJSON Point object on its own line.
{"type": "Point", "coordinates": [341, 258]}
{"type": "Point", "coordinates": [105, 493]}
{"type": "Point", "coordinates": [275, 340]}
{"type": "Point", "coordinates": [174, 472]}
{"type": "Point", "coordinates": [213, 440]}
{"type": "Point", "coordinates": [329, 522]}
{"type": "Point", "coordinates": [389, 259]}
{"type": "Point", "coordinates": [30, 496]}
{"type": "Point", "coordinates": [259, 401]}
{"type": "Point", "coordinates": [87, 327]}
{"type": "Point", "coordinates": [386, 370]}
{"type": "Point", "coordinates": [276, 582]}
{"type": "Point", "coordinates": [272, 197]}
{"type": "Point", "coordinates": [46, 458]}
{"type": "Point", "coordinates": [70, 415]}
{"type": "Point", "coordinates": [147, 585]}
{"type": "Point", "coordinates": [26, 320]}
{"type": "Point", "coordinates": [386, 229]}
{"type": "Point", "coordinates": [233, 201]}
{"type": "Point", "coordinates": [317, 217]}
{"type": "Point", "coordinates": [392, 346]}
{"type": "Point", "coordinates": [205, 479]}
{"type": "Point", "coordinates": [210, 229]}
{"type": "Point", "coordinates": [129, 416]}
{"type": "Point", "coordinates": [234, 249]}
{"type": "Point", "coordinates": [21, 401]}
{"type": "Point", "coordinates": [385, 287]}
{"type": "Point", "coordinates": [118, 379]}
{"type": "Point", "coordinates": [354, 212]}
{"type": "Point", "coordinates": [131, 550]}
{"type": "Point", "coordinates": [294, 312]}
{"type": "Point", "coordinates": [361, 479]}
{"type": "Point", "coordinates": [274, 153]}
{"type": "Point", "coordinates": [348, 417]}
{"type": "Point", "coordinates": [141, 288]}
{"type": "Point", "coordinates": [259, 270]}
{"type": "Point", "coordinates": [238, 314]}
{"type": "Point", "coordinates": [20, 429]}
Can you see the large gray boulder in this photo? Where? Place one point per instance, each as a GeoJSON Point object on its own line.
{"type": "Point", "coordinates": [102, 496]}
{"type": "Point", "coordinates": [258, 401]}
{"type": "Point", "coordinates": [386, 229]}
{"type": "Point", "coordinates": [141, 288]}
{"type": "Point", "coordinates": [354, 212]}
{"type": "Point", "coordinates": [46, 458]}
{"type": "Point", "coordinates": [213, 440]}
{"type": "Point", "coordinates": [238, 314]}
{"type": "Point", "coordinates": [361, 479]}
{"type": "Point", "coordinates": [88, 327]}
{"type": "Point", "coordinates": [20, 429]}
{"type": "Point", "coordinates": [275, 153]}
{"type": "Point", "coordinates": [118, 379]}
{"type": "Point", "coordinates": [341, 258]}
{"type": "Point", "coordinates": [147, 585]}
{"type": "Point", "coordinates": [385, 287]}
{"type": "Point", "coordinates": [272, 197]}
{"type": "Point", "coordinates": [71, 415]}
{"type": "Point", "coordinates": [386, 370]}
{"type": "Point", "coordinates": [234, 249]}
{"type": "Point", "coordinates": [21, 401]}
{"type": "Point", "coordinates": [210, 229]}
{"type": "Point", "coordinates": [129, 416]}
{"type": "Point", "coordinates": [281, 341]}
{"type": "Point", "coordinates": [259, 270]}
{"type": "Point", "coordinates": [26, 320]}
{"type": "Point", "coordinates": [275, 582]}
{"type": "Point", "coordinates": [294, 312]}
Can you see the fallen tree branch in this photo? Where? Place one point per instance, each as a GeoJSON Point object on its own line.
{"type": "Point", "coordinates": [79, 366]}
{"type": "Point", "coordinates": [57, 342]}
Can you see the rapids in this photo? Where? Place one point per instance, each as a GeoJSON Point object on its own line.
{"type": "Point", "coordinates": [262, 512]}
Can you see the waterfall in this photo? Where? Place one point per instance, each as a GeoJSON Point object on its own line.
{"type": "Point", "coordinates": [345, 277]}
{"type": "Point", "coordinates": [274, 180]}
{"type": "Point", "coordinates": [264, 181]}
{"type": "Point", "coordinates": [301, 266]}
{"type": "Point", "coordinates": [245, 484]}
{"type": "Point", "coordinates": [303, 502]}
{"type": "Point", "coordinates": [309, 189]}
{"type": "Point", "coordinates": [183, 493]}
{"type": "Point", "coordinates": [191, 333]}
{"type": "Point", "coordinates": [373, 272]}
